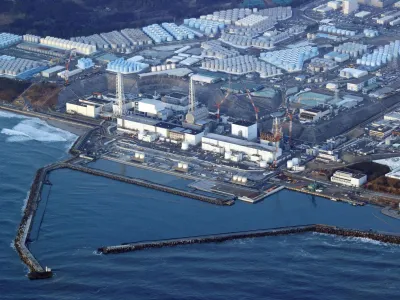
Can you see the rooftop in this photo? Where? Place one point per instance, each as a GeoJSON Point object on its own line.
{"type": "Point", "coordinates": [236, 141]}
{"type": "Point", "coordinates": [243, 123]}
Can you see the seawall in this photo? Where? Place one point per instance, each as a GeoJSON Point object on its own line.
{"type": "Point", "coordinates": [219, 238]}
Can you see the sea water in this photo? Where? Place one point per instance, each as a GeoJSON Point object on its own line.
{"type": "Point", "coordinates": [84, 212]}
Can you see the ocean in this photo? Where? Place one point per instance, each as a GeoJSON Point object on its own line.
{"type": "Point", "coordinates": [81, 213]}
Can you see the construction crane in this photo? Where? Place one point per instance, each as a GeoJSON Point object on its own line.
{"type": "Point", "coordinates": [219, 104]}
{"type": "Point", "coordinates": [256, 110]}
{"type": "Point", "coordinates": [66, 73]}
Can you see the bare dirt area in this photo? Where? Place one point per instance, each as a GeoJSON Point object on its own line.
{"type": "Point", "coordinates": [42, 95]}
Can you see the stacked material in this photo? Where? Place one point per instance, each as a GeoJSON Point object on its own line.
{"type": "Point", "coordinates": [115, 39]}
{"type": "Point", "coordinates": [8, 39]}
{"type": "Point", "coordinates": [14, 66]}
{"type": "Point", "coordinates": [178, 32]}
{"type": "Point", "coordinates": [120, 65]}
{"type": "Point", "coordinates": [290, 59]}
{"type": "Point", "coordinates": [31, 38]}
{"type": "Point", "coordinates": [208, 27]}
{"type": "Point", "coordinates": [158, 34]}
{"type": "Point", "coordinates": [352, 49]}
{"type": "Point", "coordinates": [136, 36]}
{"type": "Point", "coordinates": [240, 65]}
{"type": "Point", "coordinates": [215, 49]}
{"type": "Point", "coordinates": [80, 48]}
{"type": "Point", "coordinates": [94, 39]}
{"type": "Point", "coordinates": [381, 55]}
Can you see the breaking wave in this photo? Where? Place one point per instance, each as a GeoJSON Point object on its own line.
{"type": "Point", "coordinates": [35, 129]}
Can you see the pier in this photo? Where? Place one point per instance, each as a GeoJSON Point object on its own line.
{"type": "Point", "coordinates": [219, 238]}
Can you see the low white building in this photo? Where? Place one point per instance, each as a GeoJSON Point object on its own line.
{"type": "Point", "coordinates": [313, 114]}
{"type": "Point", "coordinates": [162, 129]}
{"type": "Point", "coordinates": [349, 178]}
{"type": "Point", "coordinates": [332, 86]}
{"type": "Point", "coordinates": [352, 73]}
{"type": "Point", "coordinates": [221, 144]}
{"type": "Point", "coordinates": [392, 116]}
{"type": "Point", "coordinates": [244, 129]}
{"type": "Point", "coordinates": [358, 84]}
{"type": "Point", "coordinates": [90, 107]}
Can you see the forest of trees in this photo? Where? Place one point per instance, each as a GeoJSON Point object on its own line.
{"type": "Point", "coordinates": [68, 18]}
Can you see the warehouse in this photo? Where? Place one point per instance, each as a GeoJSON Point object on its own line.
{"type": "Point", "coordinates": [349, 178]}
{"type": "Point", "coordinates": [52, 71]}
{"type": "Point", "coordinates": [358, 84]}
{"type": "Point", "coordinates": [352, 73]}
{"type": "Point", "coordinates": [221, 144]}
{"type": "Point", "coordinates": [90, 107]}
{"type": "Point", "coordinates": [70, 73]}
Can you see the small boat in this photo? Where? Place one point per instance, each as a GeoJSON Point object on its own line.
{"type": "Point", "coordinates": [333, 199]}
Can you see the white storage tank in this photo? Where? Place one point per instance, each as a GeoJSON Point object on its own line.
{"type": "Point", "coordinates": [185, 146]}
{"type": "Point", "coordinates": [263, 164]}
{"type": "Point", "coordinates": [180, 165]}
{"type": "Point", "coordinates": [235, 178]}
{"type": "Point", "coordinates": [289, 164]}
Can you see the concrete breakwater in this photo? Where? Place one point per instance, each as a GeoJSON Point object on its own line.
{"type": "Point", "coordinates": [148, 184]}
{"type": "Point", "coordinates": [22, 239]}
{"type": "Point", "coordinates": [219, 238]}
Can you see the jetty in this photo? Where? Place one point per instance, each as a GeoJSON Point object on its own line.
{"type": "Point", "coordinates": [219, 238]}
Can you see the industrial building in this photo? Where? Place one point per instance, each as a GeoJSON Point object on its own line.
{"type": "Point", "coordinates": [356, 85]}
{"type": "Point", "coordinates": [392, 116]}
{"type": "Point", "coordinates": [313, 114]}
{"type": "Point", "coordinates": [205, 78]}
{"type": "Point", "coordinates": [85, 63]}
{"type": "Point", "coordinates": [244, 129]}
{"type": "Point", "coordinates": [349, 178]}
{"type": "Point", "coordinates": [164, 130]}
{"type": "Point", "coordinates": [71, 73]}
{"type": "Point", "coordinates": [321, 65]}
{"type": "Point", "coordinates": [91, 107]}
{"type": "Point", "coordinates": [380, 130]}
{"type": "Point", "coordinates": [352, 73]}
{"type": "Point", "coordinates": [52, 71]}
{"type": "Point", "coordinates": [349, 6]}
{"type": "Point", "coordinates": [221, 144]}
{"type": "Point", "coordinates": [327, 156]}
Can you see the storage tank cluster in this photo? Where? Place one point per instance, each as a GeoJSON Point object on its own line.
{"type": "Point", "coordinates": [229, 16]}
{"type": "Point", "coordinates": [291, 163]}
{"type": "Point", "coordinates": [215, 49]}
{"type": "Point", "coordinates": [277, 13]}
{"type": "Point", "coordinates": [241, 65]}
{"type": "Point", "coordinates": [321, 64]}
{"type": "Point", "coordinates": [237, 40]}
{"type": "Point", "coordinates": [95, 40]}
{"type": "Point", "coordinates": [381, 55]}
{"type": "Point", "coordinates": [30, 38]}
{"type": "Point", "coordinates": [290, 59]}
{"type": "Point", "coordinates": [253, 31]}
{"type": "Point", "coordinates": [116, 40]}
{"type": "Point", "coordinates": [251, 21]}
{"type": "Point", "coordinates": [336, 31]}
{"type": "Point", "coordinates": [206, 26]}
{"type": "Point", "coordinates": [125, 66]}
{"type": "Point", "coordinates": [370, 33]}
{"type": "Point", "coordinates": [85, 63]}
{"type": "Point", "coordinates": [165, 67]}
{"type": "Point", "coordinates": [81, 48]}
{"type": "Point", "coordinates": [8, 39]}
{"type": "Point", "coordinates": [239, 179]}
{"type": "Point", "coordinates": [14, 66]}
{"type": "Point", "coordinates": [178, 32]}
{"type": "Point", "coordinates": [185, 146]}
{"type": "Point", "coordinates": [352, 49]}
{"type": "Point", "coordinates": [136, 36]}
{"type": "Point", "coordinates": [158, 34]}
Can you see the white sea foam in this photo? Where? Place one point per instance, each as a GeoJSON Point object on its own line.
{"type": "Point", "coordinates": [10, 115]}
{"type": "Point", "coordinates": [25, 203]}
{"type": "Point", "coordinates": [38, 130]}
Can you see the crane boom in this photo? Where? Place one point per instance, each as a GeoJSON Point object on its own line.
{"type": "Point", "coordinates": [66, 76]}
{"type": "Point", "coordinates": [219, 104]}
{"type": "Point", "coordinates": [256, 110]}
